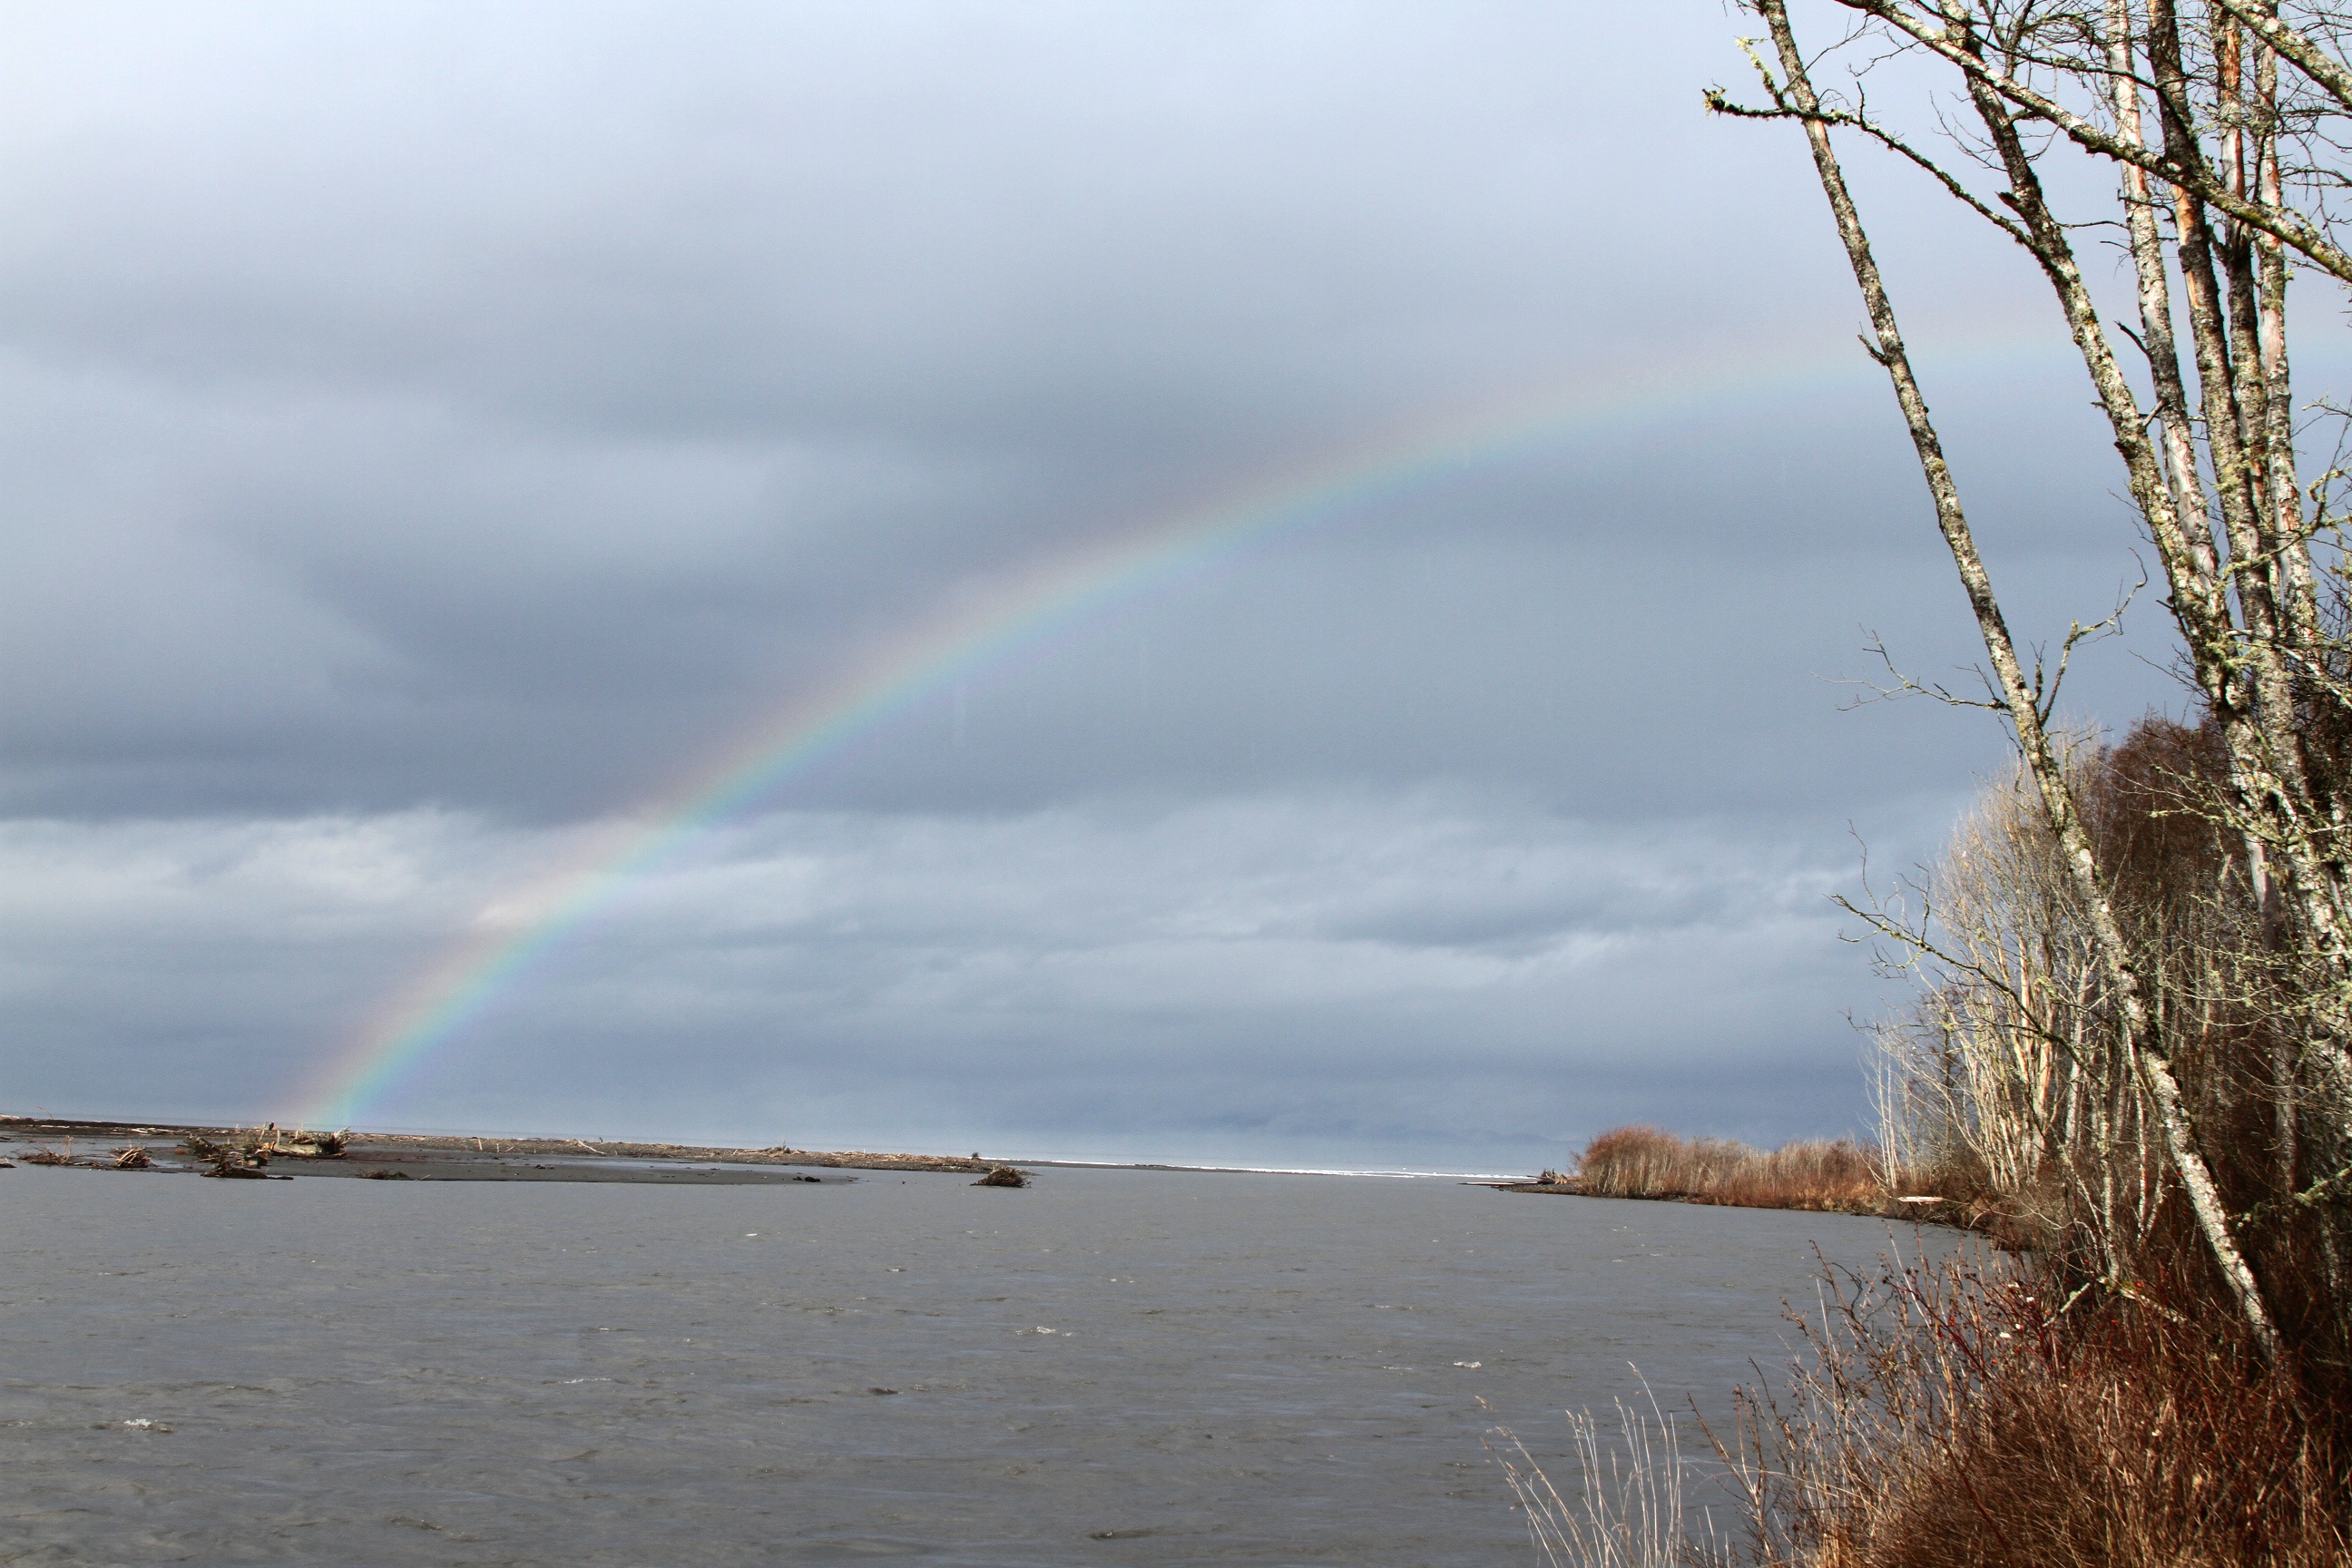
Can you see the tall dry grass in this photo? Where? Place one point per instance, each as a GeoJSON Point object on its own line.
{"type": "Point", "coordinates": [1968, 1417]}
{"type": "Point", "coordinates": [1817, 1174]}
{"type": "Point", "coordinates": [1628, 1512]}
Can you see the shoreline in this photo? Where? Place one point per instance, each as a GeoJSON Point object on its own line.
{"type": "Point", "coordinates": [52, 1141]}
{"type": "Point", "coordinates": [409, 1156]}
{"type": "Point", "coordinates": [425, 1156]}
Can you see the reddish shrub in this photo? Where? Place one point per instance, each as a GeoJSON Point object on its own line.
{"type": "Point", "coordinates": [1816, 1174]}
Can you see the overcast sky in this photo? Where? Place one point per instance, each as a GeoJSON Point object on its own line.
{"type": "Point", "coordinates": [433, 429]}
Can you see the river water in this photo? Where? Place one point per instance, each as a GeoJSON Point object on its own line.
{"type": "Point", "coordinates": [1110, 1367]}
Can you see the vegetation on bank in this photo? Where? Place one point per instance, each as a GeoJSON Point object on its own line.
{"type": "Point", "coordinates": [2132, 1033]}
{"type": "Point", "coordinates": [2094, 1395]}
{"type": "Point", "coordinates": [2106, 1396]}
{"type": "Point", "coordinates": [1841, 1177]}
{"type": "Point", "coordinates": [1972, 1415]}
{"type": "Point", "coordinates": [2129, 1052]}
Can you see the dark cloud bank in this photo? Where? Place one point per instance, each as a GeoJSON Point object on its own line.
{"type": "Point", "coordinates": [432, 430]}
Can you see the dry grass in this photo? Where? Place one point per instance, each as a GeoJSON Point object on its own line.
{"type": "Point", "coordinates": [1962, 1418]}
{"type": "Point", "coordinates": [1816, 1174]}
{"type": "Point", "coordinates": [2100, 1398]}
{"type": "Point", "coordinates": [1969, 1416]}
{"type": "Point", "coordinates": [1629, 1511]}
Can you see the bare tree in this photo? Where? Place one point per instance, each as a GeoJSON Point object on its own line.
{"type": "Point", "coordinates": [2221, 205]}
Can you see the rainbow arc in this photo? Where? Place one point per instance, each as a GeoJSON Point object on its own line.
{"type": "Point", "coordinates": [1017, 612]}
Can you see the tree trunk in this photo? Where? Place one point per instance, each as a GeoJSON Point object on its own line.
{"type": "Point", "coordinates": [2020, 699]}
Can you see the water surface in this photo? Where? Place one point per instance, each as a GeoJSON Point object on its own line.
{"type": "Point", "coordinates": [1111, 1367]}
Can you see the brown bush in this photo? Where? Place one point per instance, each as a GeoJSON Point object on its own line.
{"type": "Point", "coordinates": [2010, 1080]}
{"type": "Point", "coordinates": [1814, 1174]}
{"type": "Point", "coordinates": [1976, 1419]}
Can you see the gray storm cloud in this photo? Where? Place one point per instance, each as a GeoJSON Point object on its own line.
{"type": "Point", "coordinates": [430, 430]}
{"type": "Point", "coordinates": [1304, 964]}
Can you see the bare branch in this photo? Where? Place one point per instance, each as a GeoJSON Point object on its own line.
{"type": "Point", "coordinates": [2308, 57]}
{"type": "Point", "coordinates": [2282, 224]}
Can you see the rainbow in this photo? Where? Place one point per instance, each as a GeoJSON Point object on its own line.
{"type": "Point", "coordinates": [1017, 612]}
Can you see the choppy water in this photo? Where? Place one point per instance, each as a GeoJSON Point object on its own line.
{"type": "Point", "coordinates": [1213, 1369]}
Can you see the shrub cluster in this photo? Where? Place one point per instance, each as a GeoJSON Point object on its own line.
{"type": "Point", "coordinates": [1649, 1162]}
{"type": "Point", "coordinates": [1966, 1419]}
{"type": "Point", "coordinates": [2100, 1397]}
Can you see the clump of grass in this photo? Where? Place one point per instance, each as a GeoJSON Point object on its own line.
{"type": "Point", "coordinates": [1003, 1176]}
{"type": "Point", "coordinates": [1815, 1173]}
{"type": "Point", "coordinates": [1629, 1511]}
{"type": "Point", "coordinates": [50, 1156]}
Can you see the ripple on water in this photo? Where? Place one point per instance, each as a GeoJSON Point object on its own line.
{"type": "Point", "coordinates": [1126, 1366]}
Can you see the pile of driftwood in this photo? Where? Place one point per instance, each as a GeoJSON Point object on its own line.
{"type": "Point", "coordinates": [130, 1157]}
{"type": "Point", "coordinates": [247, 1153]}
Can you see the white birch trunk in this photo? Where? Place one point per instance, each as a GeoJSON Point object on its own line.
{"type": "Point", "coordinates": [2018, 697]}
